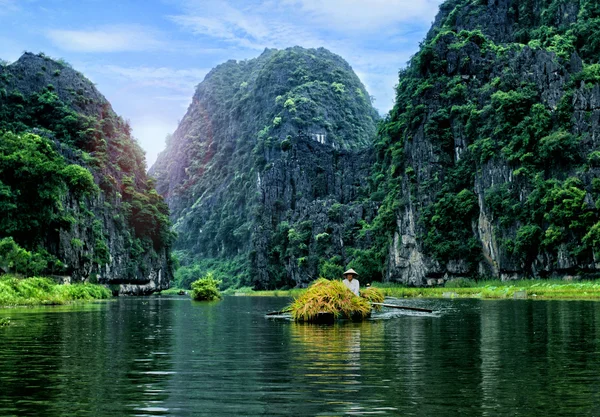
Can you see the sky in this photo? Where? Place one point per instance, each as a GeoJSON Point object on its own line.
{"type": "Point", "coordinates": [147, 56]}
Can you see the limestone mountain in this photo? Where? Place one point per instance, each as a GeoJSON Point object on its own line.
{"type": "Point", "coordinates": [75, 199]}
{"type": "Point", "coordinates": [266, 172]}
{"type": "Point", "coordinates": [489, 162]}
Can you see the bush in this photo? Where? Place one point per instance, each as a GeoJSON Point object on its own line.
{"type": "Point", "coordinates": [79, 179]}
{"type": "Point", "coordinates": [14, 258]}
{"type": "Point", "coordinates": [286, 145]}
{"type": "Point", "coordinates": [206, 289]}
{"type": "Point", "coordinates": [330, 270]}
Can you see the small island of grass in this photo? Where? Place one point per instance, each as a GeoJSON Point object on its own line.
{"type": "Point", "coordinates": [206, 289]}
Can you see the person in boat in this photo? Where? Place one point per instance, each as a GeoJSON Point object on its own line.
{"type": "Point", "coordinates": [351, 282]}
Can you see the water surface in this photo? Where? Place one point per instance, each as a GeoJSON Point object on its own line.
{"type": "Point", "coordinates": [171, 356]}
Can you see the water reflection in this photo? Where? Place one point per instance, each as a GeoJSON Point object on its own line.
{"type": "Point", "coordinates": [170, 356]}
{"type": "Point", "coordinates": [62, 362]}
{"type": "Point", "coordinates": [328, 362]}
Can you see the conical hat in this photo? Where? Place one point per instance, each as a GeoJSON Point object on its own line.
{"type": "Point", "coordinates": [351, 271]}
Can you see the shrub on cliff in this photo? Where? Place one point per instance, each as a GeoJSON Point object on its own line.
{"type": "Point", "coordinates": [206, 289]}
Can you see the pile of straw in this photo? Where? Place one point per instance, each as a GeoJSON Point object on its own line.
{"type": "Point", "coordinates": [324, 296]}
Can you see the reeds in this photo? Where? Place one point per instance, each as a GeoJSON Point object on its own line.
{"type": "Point", "coordinates": [329, 297]}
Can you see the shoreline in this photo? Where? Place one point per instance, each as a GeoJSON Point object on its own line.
{"type": "Point", "coordinates": [485, 290]}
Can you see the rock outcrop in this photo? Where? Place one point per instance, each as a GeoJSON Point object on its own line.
{"type": "Point", "coordinates": [496, 124]}
{"type": "Point", "coordinates": [267, 169]}
{"type": "Point", "coordinates": [117, 234]}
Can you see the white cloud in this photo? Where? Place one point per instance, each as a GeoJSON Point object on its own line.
{"type": "Point", "coordinates": [377, 37]}
{"type": "Point", "coordinates": [119, 38]}
{"type": "Point", "coordinates": [182, 80]}
{"type": "Point", "coordinates": [367, 15]}
{"type": "Point", "coordinates": [8, 6]}
{"type": "Point", "coordinates": [245, 27]}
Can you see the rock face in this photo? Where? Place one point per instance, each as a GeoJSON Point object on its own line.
{"type": "Point", "coordinates": [268, 167]}
{"type": "Point", "coordinates": [493, 145]}
{"type": "Point", "coordinates": [119, 234]}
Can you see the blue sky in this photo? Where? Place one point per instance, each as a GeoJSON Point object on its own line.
{"type": "Point", "coordinates": [146, 57]}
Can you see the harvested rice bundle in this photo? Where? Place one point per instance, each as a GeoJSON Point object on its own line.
{"type": "Point", "coordinates": [329, 297]}
{"type": "Point", "coordinates": [373, 295]}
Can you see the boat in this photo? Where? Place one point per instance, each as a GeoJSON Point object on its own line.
{"type": "Point", "coordinates": [330, 318]}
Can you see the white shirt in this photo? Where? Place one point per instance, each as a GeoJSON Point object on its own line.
{"type": "Point", "coordinates": [352, 285]}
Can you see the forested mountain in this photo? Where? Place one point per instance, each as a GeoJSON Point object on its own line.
{"type": "Point", "coordinates": [266, 175]}
{"type": "Point", "coordinates": [487, 166]}
{"type": "Point", "coordinates": [489, 162]}
{"type": "Point", "coordinates": [75, 200]}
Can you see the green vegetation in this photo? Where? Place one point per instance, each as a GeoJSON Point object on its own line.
{"type": "Point", "coordinates": [37, 290]}
{"type": "Point", "coordinates": [468, 288]}
{"type": "Point", "coordinates": [255, 115]}
{"type": "Point", "coordinates": [324, 296]}
{"type": "Point", "coordinates": [227, 271]}
{"type": "Point", "coordinates": [465, 99]}
{"type": "Point", "coordinates": [69, 164]}
{"type": "Point", "coordinates": [13, 258]}
{"type": "Point", "coordinates": [172, 291]}
{"type": "Point", "coordinates": [4, 321]}
{"type": "Point", "coordinates": [206, 288]}
{"type": "Point", "coordinates": [34, 180]}
{"type": "Point", "coordinates": [535, 289]}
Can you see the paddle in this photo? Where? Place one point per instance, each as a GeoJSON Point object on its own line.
{"type": "Point", "coordinates": [277, 313]}
{"type": "Point", "coordinates": [424, 310]}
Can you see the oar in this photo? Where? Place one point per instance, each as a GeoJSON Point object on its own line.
{"type": "Point", "coordinates": [424, 310]}
{"type": "Point", "coordinates": [277, 313]}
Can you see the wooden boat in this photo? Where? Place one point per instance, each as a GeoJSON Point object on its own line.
{"type": "Point", "coordinates": [330, 318]}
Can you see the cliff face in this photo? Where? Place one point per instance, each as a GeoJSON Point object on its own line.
{"type": "Point", "coordinates": [113, 228]}
{"type": "Point", "coordinates": [266, 169]}
{"type": "Point", "coordinates": [491, 152]}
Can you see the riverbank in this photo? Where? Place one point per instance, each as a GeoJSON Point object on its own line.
{"type": "Point", "coordinates": [492, 290]}
{"type": "Point", "coordinates": [172, 291]}
{"type": "Point", "coordinates": [16, 291]}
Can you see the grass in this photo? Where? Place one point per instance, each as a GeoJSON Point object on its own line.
{"type": "Point", "coordinates": [16, 291]}
{"type": "Point", "coordinates": [4, 321]}
{"type": "Point", "coordinates": [550, 289]}
{"type": "Point", "coordinates": [294, 292]}
{"type": "Point", "coordinates": [488, 289]}
{"type": "Point", "coordinates": [324, 296]}
{"type": "Point", "coordinates": [172, 291]}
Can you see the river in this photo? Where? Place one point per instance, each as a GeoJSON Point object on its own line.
{"type": "Point", "coordinates": [171, 356]}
